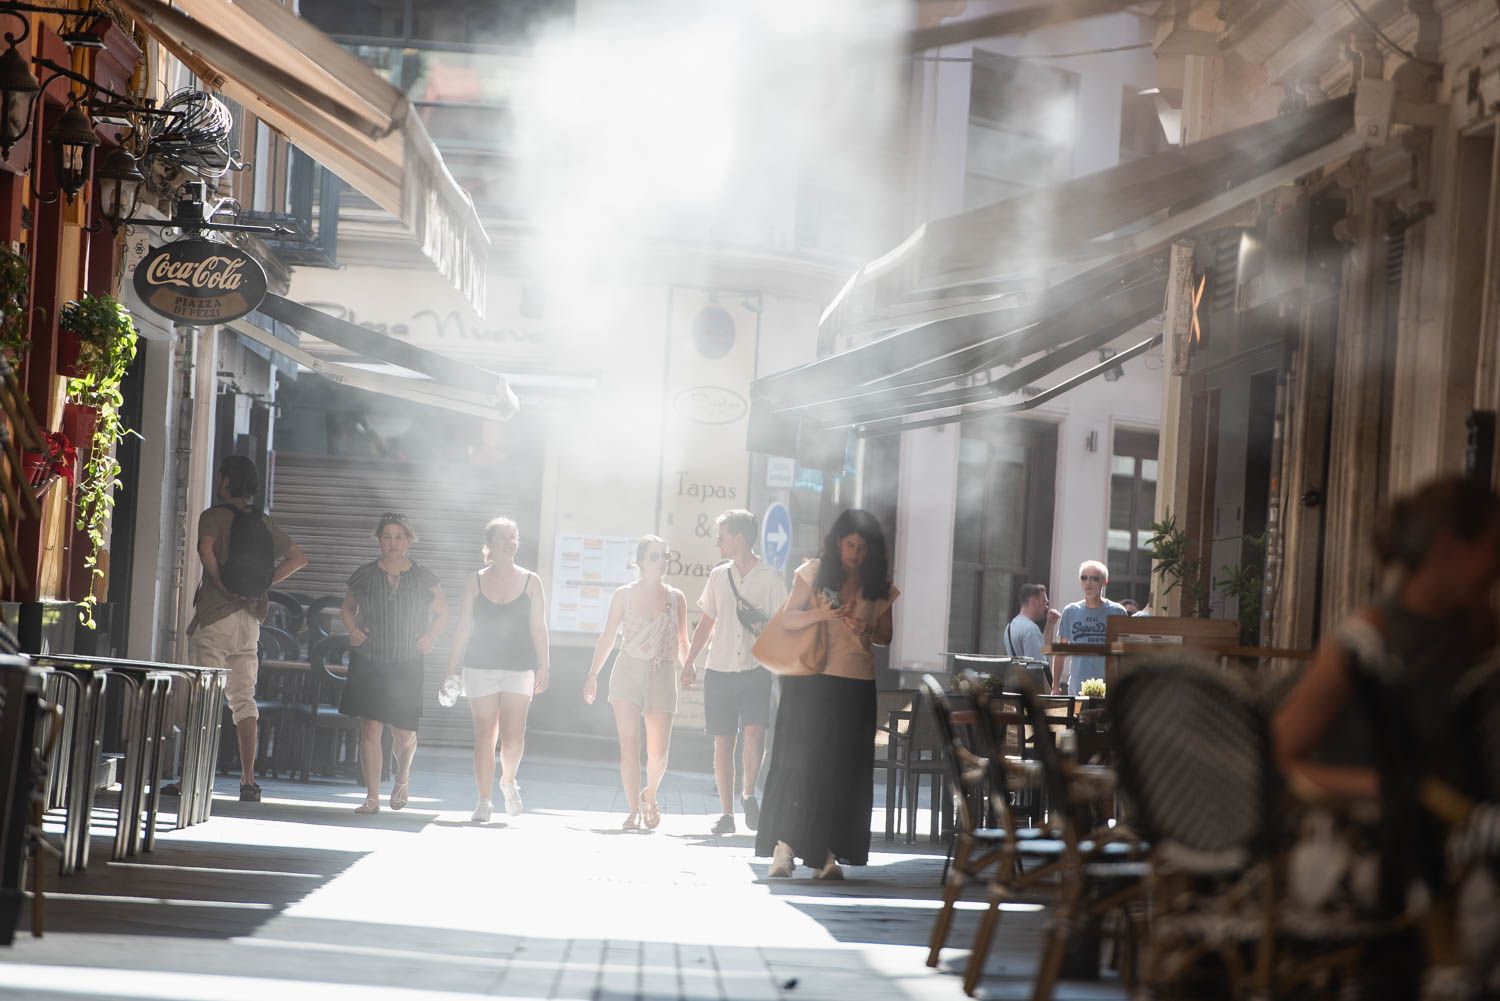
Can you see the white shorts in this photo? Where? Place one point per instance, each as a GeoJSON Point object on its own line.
{"type": "Point", "coordinates": [479, 682]}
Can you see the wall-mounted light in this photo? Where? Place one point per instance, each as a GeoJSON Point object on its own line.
{"type": "Point", "coordinates": [19, 86]}
{"type": "Point", "coordinates": [120, 180]}
{"type": "Point", "coordinates": [74, 141]}
{"type": "Point", "coordinates": [18, 90]}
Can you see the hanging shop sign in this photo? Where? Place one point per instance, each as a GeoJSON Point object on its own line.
{"type": "Point", "coordinates": [198, 282]}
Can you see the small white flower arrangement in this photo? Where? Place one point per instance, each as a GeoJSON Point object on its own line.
{"type": "Point", "coordinates": [1093, 688]}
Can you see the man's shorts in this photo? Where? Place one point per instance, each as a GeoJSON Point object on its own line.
{"type": "Point", "coordinates": [732, 699]}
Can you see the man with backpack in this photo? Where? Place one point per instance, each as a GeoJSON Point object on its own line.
{"type": "Point", "coordinates": [739, 597]}
{"type": "Point", "coordinates": [244, 552]}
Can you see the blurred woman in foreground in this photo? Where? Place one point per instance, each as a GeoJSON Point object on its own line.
{"type": "Point", "coordinates": [1371, 722]}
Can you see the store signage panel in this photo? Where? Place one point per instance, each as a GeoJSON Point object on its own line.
{"type": "Point", "coordinates": [586, 570]}
{"type": "Point", "coordinates": [198, 282]}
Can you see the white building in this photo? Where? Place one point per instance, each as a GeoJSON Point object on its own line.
{"type": "Point", "coordinates": [985, 504]}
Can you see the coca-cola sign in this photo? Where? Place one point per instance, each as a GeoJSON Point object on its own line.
{"type": "Point", "coordinates": [198, 282]}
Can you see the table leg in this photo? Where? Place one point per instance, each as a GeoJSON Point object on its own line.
{"type": "Point", "coordinates": [192, 724]}
{"type": "Point", "coordinates": [83, 775]}
{"type": "Point", "coordinates": [158, 736]}
{"type": "Point", "coordinates": [130, 777]}
{"type": "Point", "coordinates": [213, 722]}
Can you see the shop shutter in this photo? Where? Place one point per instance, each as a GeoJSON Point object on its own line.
{"type": "Point", "coordinates": [331, 505]}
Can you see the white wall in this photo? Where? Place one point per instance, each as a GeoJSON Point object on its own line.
{"type": "Point", "coordinates": [929, 457]}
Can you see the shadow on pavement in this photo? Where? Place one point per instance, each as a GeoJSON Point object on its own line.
{"type": "Point", "coordinates": [188, 889]}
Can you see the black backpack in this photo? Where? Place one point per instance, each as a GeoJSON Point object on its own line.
{"type": "Point", "coordinates": [252, 554]}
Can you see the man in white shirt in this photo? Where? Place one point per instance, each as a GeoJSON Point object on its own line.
{"type": "Point", "coordinates": [738, 598]}
{"type": "Point", "coordinates": [1023, 634]}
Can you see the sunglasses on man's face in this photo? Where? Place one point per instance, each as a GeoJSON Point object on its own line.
{"type": "Point", "coordinates": [1087, 577]}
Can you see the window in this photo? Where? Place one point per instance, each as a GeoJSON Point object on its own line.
{"type": "Point", "coordinates": [1002, 533]}
{"type": "Point", "coordinates": [1021, 127]}
{"type": "Point", "coordinates": [1132, 508]}
{"type": "Point", "coordinates": [1141, 134]}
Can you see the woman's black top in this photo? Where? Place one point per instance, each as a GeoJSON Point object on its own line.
{"type": "Point", "coordinates": [501, 640]}
{"type": "Point", "coordinates": [395, 615]}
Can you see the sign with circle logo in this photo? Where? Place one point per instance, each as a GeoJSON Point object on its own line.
{"type": "Point", "coordinates": [199, 282]}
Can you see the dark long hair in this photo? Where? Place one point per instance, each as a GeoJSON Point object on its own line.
{"type": "Point", "coordinates": [1407, 529]}
{"type": "Point", "coordinates": [874, 573]}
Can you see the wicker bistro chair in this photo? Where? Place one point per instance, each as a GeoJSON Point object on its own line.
{"type": "Point", "coordinates": [977, 779]}
{"type": "Point", "coordinates": [1100, 868]}
{"type": "Point", "coordinates": [1058, 859]}
{"type": "Point", "coordinates": [1195, 760]}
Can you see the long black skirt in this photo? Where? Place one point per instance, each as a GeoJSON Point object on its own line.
{"type": "Point", "coordinates": [820, 786]}
{"type": "Point", "coordinates": [377, 690]}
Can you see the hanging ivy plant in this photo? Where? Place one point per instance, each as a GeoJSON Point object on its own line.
{"type": "Point", "coordinates": [107, 346]}
{"type": "Point", "coordinates": [15, 280]}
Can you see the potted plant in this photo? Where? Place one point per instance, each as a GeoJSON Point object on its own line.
{"type": "Point", "coordinates": [15, 289]}
{"type": "Point", "coordinates": [57, 458]}
{"type": "Point", "coordinates": [90, 328]}
{"type": "Point", "coordinates": [107, 343]}
{"type": "Point", "coordinates": [1092, 688]}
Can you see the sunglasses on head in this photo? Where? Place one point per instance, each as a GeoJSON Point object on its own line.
{"type": "Point", "coordinates": [1091, 577]}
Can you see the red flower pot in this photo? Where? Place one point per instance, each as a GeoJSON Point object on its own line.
{"type": "Point", "coordinates": [78, 424]}
{"type": "Point", "coordinates": [69, 347]}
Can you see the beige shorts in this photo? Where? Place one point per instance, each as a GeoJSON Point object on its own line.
{"type": "Point", "coordinates": [642, 682]}
{"type": "Point", "coordinates": [230, 642]}
{"type": "Point", "coordinates": [479, 683]}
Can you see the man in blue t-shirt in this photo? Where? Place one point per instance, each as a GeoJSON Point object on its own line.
{"type": "Point", "coordinates": [1084, 622]}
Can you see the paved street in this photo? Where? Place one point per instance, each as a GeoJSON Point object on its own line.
{"type": "Point", "coordinates": [300, 895]}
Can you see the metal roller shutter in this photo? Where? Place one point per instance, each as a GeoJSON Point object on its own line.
{"type": "Point", "coordinates": [330, 505]}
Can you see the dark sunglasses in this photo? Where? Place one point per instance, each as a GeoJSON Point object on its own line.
{"type": "Point", "coordinates": [1091, 576]}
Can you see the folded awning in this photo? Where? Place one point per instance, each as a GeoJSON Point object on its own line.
{"type": "Point", "coordinates": [426, 376]}
{"type": "Point", "coordinates": [983, 259]}
{"type": "Point", "coordinates": [341, 112]}
{"type": "Point", "coordinates": [973, 309]}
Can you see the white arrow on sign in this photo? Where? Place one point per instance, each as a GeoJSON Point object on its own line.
{"type": "Point", "coordinates": [777, 538]}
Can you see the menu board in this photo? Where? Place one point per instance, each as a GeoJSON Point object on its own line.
{"type": "Point", "coordinates": [586, 570]}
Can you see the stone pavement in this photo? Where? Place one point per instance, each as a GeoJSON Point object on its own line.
{"type": "Point", "coordinates": [299, 897]}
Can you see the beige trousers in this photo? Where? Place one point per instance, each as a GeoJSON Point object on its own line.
{"type": "Point", "coordinates": [231, 643]}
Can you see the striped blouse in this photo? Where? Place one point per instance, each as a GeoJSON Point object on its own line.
{"type": "Point", "coordinates": [396, 615]}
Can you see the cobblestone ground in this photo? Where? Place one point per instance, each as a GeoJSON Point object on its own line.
{"type": "Point", "coordinates": [299, 898]}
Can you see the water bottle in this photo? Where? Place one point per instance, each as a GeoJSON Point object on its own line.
{"type": "Point", "coordinates": [449, 693]}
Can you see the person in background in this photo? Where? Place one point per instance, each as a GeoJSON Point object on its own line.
{"type": "Point", "coordinates": [1372, 721]}
{"type": "Point", "coordinates": [1131, 606]}
{"type": "Point", "coordinates": [1083, 622]}
{"type": "Point", "coordinates": [243, 553]}
{"type": "Point", "coordinates": [394, 611]}
{"type": "Point", "coordinates": [736, 690]}
{"type": "Point", "coordinates": [650, 617]}
{"type": "Point", "coordinates": [819, 790]}
{"type": "Point", "coordinates": [504, 647]}
{"type": "Point", "coordinates": [1024, 635]}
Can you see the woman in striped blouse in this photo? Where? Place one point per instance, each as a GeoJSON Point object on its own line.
{"type": "Point", "coordinates": [394, 611]}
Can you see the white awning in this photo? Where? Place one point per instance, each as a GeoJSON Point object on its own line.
{"type": "Point", "coordinates": [496, 406]}
{"type": "Point", "coordinates": [301, 83]}
{"type": "Point", "coordinates": [996, 258]}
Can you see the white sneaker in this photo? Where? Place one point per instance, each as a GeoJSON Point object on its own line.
{"type": "Point", "coordinates": [782, 862]}
{"type": "Point", "coordinates": [482, 812]}
{"type": "Point", "coordinates": [512, 794]}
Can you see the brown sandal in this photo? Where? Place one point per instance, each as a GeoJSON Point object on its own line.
{"type": "Point", "coordinates": [650, 812]}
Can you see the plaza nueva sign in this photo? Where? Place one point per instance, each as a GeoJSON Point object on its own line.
{"type": "Point", "coordinates": [197, 282]}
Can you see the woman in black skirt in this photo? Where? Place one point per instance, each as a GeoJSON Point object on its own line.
{"type": "Point", "coordinates": [820, 786]}
{"type": "Point", "coordinates": [394, 611]}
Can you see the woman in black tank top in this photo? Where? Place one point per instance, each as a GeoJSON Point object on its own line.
{"type": "Point", "coordinates": [502, 645]}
